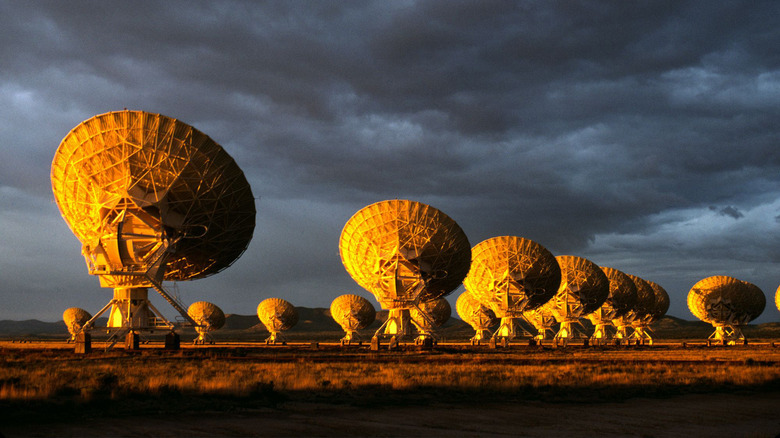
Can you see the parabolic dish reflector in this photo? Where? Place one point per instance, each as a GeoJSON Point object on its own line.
{"type": "Point", "coordinates": [128, 182]}
{"type": "Point", "coordinates": [777, 298]}
{"type": "Point", "coordinates": [645, 300]}
{"type": "Point", "coordinates": [75, 318]}
{"type": "Point", "coordinates": [404, 252]}
{"type": "Point", "coordinates": [474, 313]}
{"type": "Point", "coordinates": [277, 315]}
{"type": "Point", "coordinates": [721, 300]}
{"type": "Point", "coordinates": [352, 312]}
{"type": "Point", "coordinates": [511, 275]}
{"type": "Point", "coordinates": [661, 305]}
{"type": "Point", "coordinates": [622, 295]}
{"type": "Point", "coordinates": [584, 288]}
{"type": "Point", "coordinates": [208, 315]}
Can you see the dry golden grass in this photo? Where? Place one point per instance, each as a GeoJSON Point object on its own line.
{"type": "Point", "coordinates": [49, 375]}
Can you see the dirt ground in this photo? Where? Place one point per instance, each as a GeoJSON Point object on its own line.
{"type": "Point", "coordinates": [699, 415]}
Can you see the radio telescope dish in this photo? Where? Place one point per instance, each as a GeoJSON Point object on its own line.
{"type": "Point", "coordinates": [430, 315]}
{"type": "Point", "coordinates": [405, 253]}
{"type": "Point", "coordinates": [777, 298]}
{"type": "Point", "coordinates": [661, 305]}
{"type": "Point", "coordinates": [352, 313]}
{"type": "Point", "coordinates": [74, 319]}
{"type": "Point", "coordinates": [277, 315]}
{"type": "Point", "coordinates": [642, 321]}
{"type": "Point", "coordinates": [208, 317]}
{"type": "Point", "coordinates": [151, 199]}
{"type": "Point", "coordinates": [622, 297]}
{"type": "Point", "coordinates": [727, 304]}
{"type": "Point", "coordinates": [584, 288]}
{"type": "Point", "coordinates": [636, 317]}
{"type": "Point", "coordinates": [512, 275]}
{"type": "Point", "coordinates": [477, 315]}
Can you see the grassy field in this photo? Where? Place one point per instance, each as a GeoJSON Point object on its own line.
{"type": "Point", "coordinates": [153, 381]}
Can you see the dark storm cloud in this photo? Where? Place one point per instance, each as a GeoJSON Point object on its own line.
{"type": "Point", "coordinates": [730, 211]}
{"type": "Point", "coordinates": [602, 129]}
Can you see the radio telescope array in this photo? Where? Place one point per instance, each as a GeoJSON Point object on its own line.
{"type": "Point", "coordinates": [621, 299]}
{"type": "Point", "coordinates": [477, 315]}
{"type": "Point", "coordinates": [151, 199]}
{"type": "Point", "coordinates": [277, 315]}
{"type": "Point", "coordinates": [512, 275]}
{"type": "Point", "coordinates": [404, 253]}
{"type": "Point", "coordinates": [352, 313]}
{"type": "Point", "coordinates": [584, 288]}
{"type": "Point", "coordinates": [728, 304]}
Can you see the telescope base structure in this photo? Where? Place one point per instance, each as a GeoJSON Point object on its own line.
{"type": "Point", "coordinates": [641, 335]}
{"type": "Point", "coordinates": [426, 339]}
{"type": "Point", "coordinates": [130, 313]}
{"type": "Point", "coordinates": [481, 334]}
{"type": "Point", "coordinates": [727, 335]}
{"type": "Point", "coordinates": [83, 343]}
{"type": "Point", "coordinates": [349, 338]}
{"type": "Point", "coordinates": [172, 341]}
{"type": "Point", "coordinates": [622, 334]}
{"type": "Point", "coordinates": [509, 329]}
{"type": "Point", "coordinates": [204, 337]}
{"type": "Point", "coordinates": [568, 331]}
{"type": "Point", "coordinates": [602, 333]}
{"type": "Point", "coordinates": [275, 338]}
{"type": "Point", "coordinates": [396, 327]}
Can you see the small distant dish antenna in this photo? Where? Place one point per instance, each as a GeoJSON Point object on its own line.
{"type": "Point", "coordinates": [151, 199]}
{"type": "Point", "coordinates": [74, 319]}
{"type": "Point", "coordinates": [728, 304]}
{"type": "Point", "coordinates": [404, 253]}
{"type": "Point", "coordinates": [352, 313]}
{"type": "Point", "coordinates": [277, 315]}
{"type": "Point", "coordinates": [208, 318]}
{"type": "Point", "coordinates": [584, 288]}
{"type": "Point", "coordinates": [512, 275]}
{"type": "Point", "coordinates": [477, 315]}
{"type": "Point", "coordinates": [428, 316]}
{"type": "Point", "coordinates": [622, 297]}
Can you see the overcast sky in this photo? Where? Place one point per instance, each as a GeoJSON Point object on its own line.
{"type": "Point", "coordinates": [641, 135]}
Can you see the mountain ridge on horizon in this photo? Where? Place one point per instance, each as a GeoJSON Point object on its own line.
{"type": "Point", "coordinates": [317, 320]}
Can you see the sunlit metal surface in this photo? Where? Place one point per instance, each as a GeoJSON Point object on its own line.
{"type": "Point", "coordinates": [404, 252]}
{"type": "Point", "coordinates": [352, 313]}
{"type": "Point", "coordinates": [130, 184]}
{"type": "Point", "coordinates": [622, 297]}
{"type": "Point", "coordinates": [512, 275]}
{"type": "Point", "coordinates": [476, 314]}
{"type": "Point", "coordinates": [277, 315]}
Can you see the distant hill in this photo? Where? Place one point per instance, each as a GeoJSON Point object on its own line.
{"type": "Point", "coordinates": [31, 327]}
{"type": "Point", "coordinates": [317, 324]}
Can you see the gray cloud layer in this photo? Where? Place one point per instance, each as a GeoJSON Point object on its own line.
{"type": "Point", "coordinates": [641, 135]}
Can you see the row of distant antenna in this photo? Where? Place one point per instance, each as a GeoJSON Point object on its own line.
{"type": "Point", "coordinates": [351, 312]}
{"type": "Point", "coordinates": [153, 199]}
